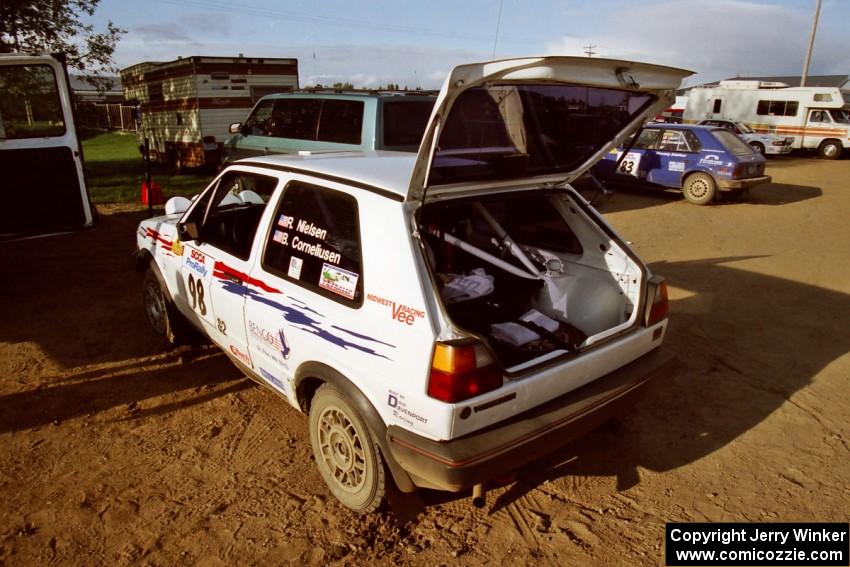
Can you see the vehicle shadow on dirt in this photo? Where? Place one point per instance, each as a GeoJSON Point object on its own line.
{"type": "Point", "coordinates": [630, 197]}
{"type": "Point", "coordinates": [78, 295]}
{"type": "Point", "coordinates": [738, 362]}
{"type": "Point", "coordinates": [193, 383]}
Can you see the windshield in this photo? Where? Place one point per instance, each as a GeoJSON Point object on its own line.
{"type": "Point", "coordinates": [732, 142]}
{"type": "Point", "coordinates": [744, 128]}
{"type": "Point", "coordinates": [505, 131]}
{"type": "Point", "coordinates": [840, 116]}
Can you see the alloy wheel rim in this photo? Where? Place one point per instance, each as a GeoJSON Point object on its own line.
{"type": "Point", "coordinates": [342, 449]}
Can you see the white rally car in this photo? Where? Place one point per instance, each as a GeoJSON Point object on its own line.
{"type": "Point", "coordinates": [444, 318]}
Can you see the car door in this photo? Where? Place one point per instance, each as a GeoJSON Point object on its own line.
{"type": "Point", "coordinates": [671, 151]}
{"type": "Point", "coordinates": [638, 161]}
{"type": "Point", "coordinates": [818, 126]}
{"type": "Point", "coordinates": [216, 264]}
{"type": "Point", "coordinates": [311, 268]}
{"type": "Point", "coordinates": [43, 182]}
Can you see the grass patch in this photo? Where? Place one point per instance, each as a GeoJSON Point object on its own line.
{"type": "Point", "coordinates": [115, 171]}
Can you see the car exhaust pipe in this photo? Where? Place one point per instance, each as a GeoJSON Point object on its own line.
{"type": "Point", "coordinates": [479, 496]}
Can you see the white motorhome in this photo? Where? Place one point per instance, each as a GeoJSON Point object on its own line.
{"type": "Point", "coordinates": [818, 118]}
{"type": "Point", "coordinates": [186, 106]}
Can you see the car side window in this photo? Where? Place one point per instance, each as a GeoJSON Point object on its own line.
{"type": "Point", "coordinates": [692, 141]}
{"type": "Point", "coordinates": [673, 141]}
{"type": "Point", "coordinates": [341, 121]}
{"type": "Point", "coordinates": [228, 215]}
{"type": "Point", "coordinates": [315, 242]}
{"type": "Point", "coordinates": [646, 139]}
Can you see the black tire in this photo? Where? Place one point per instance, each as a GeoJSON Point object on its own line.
{"type": "Point", "coordinates": [164, 320]}
{"type": "Point", "coordinates": [699, 188]}
{"type": "Point", "coordinates": [830, 149]}
{"type": "Point", "coordinates": [348, 459]}
{"type": "Point", "coordinates": [758, 147]}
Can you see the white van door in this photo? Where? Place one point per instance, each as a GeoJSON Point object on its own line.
{"type": "Point", "coordinates": [40, 154]}
{"type": "Point", "coordinates": [818, 126]}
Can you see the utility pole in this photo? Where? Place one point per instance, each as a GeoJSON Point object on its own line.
{"type": "Point", "coordinates": [588, 50]}
{"type": "Point", "coordinates": [811, 46]}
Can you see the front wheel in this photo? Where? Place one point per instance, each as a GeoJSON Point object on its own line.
{"type": "Point", "coordinates": [757, 147]}
{"type": "Point", "coordinates": [348, 460]}
{"type": "Point", "coordinates": [830, 150]}
{"type": "Point", "coordinates": [699, 188]}
{"type": "Point", "coordinates": [164, 321]}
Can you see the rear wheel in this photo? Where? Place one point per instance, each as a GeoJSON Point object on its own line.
{"type": "Point", "coordinates": [758, 147]}
{"type": "Point", "coordinates": [348, 460]}
{"type": "Point", "coordinates": [830, 149]}
{"type": "Point", "coordinates": [164, 321]}
{"type": "Point", "coordinates": [699, 188]}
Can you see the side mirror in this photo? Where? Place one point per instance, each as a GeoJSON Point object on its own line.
{"type": "Point", "coordinates": [188, 231]}
{"type": "Point", "coordinates": [236, 128]}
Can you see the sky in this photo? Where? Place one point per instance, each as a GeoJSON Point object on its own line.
{"type": "Point", "coordinates": [416, 43]}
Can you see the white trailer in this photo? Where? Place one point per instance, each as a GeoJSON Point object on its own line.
{"type": "Point", "coordinates": [818, 118]}
{"type": "Point", "coordinates": [186, 106]}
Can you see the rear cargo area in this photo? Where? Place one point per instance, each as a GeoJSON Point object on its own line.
{"type": "Point", "coordinates": [530, 273]}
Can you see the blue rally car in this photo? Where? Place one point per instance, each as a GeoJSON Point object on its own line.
{"type": "Point", "coordinates": [700, 160]}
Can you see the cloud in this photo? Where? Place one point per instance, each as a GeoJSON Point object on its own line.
{"type": "Point", "coordinates": [715, 38]}
{"type": "Point", "coordinates": [169, 32]}
{"type": "Point", "coordinates": [363, 65]}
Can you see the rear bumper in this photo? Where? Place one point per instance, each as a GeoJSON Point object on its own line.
{"type": "Point", "coordinates": [735, 184]}
{"type": "Point", "coordinates": [504, 447]}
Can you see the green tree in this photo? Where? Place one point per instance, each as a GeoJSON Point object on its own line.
{"type": "Point", "coordinates": [343, 86]}
{"type": "Point", "coordinates": [30, 26]}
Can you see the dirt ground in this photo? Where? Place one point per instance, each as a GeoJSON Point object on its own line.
{"type": "Point", "coordinates": [113, 451]}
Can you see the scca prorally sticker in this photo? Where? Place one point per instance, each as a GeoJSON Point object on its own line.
{"type": "Point", "coordinates": [676, 166]}
{"type": "Point", "coordinates": [339, 281]}
{"type": "Point", "coordinates": [197, 262]}
{"type": "Point", "coordinates": [399, 311]}
{"type": "Point", "coordinates": [295, 264]}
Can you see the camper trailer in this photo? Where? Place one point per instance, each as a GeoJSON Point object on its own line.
{"type": "Point", "coordinates": [818, 118]}
{"type": "Point", "coordinates": [186, 106]}
{"type": "Point", "coordinates": [40, 153]}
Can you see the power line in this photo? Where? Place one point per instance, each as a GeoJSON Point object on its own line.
{"type": "Point", "coordinates": [588, 50]}
{"type": "Point", "coordinates": [498, 23]}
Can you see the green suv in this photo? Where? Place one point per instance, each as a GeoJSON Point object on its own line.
{"type": "Point", "coordinates": [293, 122]}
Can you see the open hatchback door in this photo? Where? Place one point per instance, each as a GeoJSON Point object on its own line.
{"type": "Point", "coordinates": [542, 120]}
{"type": "Point", "coordinates": [519, 259]}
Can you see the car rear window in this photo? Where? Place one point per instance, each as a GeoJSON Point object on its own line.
{"type": "Point", "coordinates": [404, 122]}
{"type": "Point", "coordinates": [505, 131]}
{"type": "Point", "coordinates": [732, 142]}
{"type": "Point", "coordinates": [29, 102]}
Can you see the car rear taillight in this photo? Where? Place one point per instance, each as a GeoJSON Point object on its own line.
{"type": "Point", "coordinates": [778, 143]}
{"type": "Point", "coordinates": [462, 371]}
{"type": "Point", "coordinates": [657, 303]}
